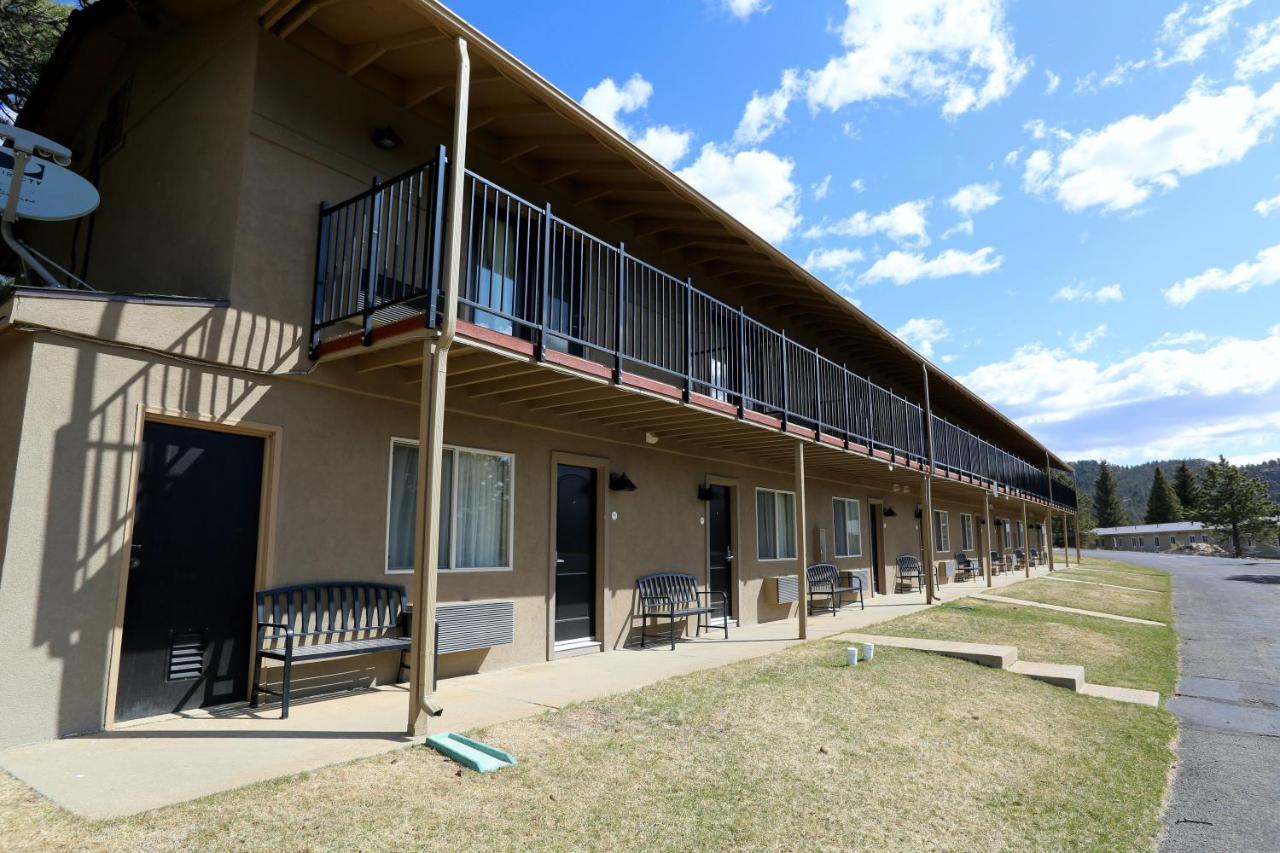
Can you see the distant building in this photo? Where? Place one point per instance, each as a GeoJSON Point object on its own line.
{"type": "Point", "coordinates": [1151, 537]}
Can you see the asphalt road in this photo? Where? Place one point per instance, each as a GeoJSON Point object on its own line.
{"type": "Point", "coordinates": [1226, 795]}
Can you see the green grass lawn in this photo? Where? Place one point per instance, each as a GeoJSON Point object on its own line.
{"type": "Point", "coordinates": [1142, 604]}
{"type": "Point", "coordinates": [794, 750]}
{"type": "Point", "coordinates": [1105, 572]}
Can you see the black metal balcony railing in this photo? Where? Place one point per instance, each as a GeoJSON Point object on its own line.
{"type": "Point", "coordinates": [531, 275]}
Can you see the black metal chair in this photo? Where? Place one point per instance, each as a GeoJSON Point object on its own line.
{"type": "Point", "coordinates": [675, 595]}
{"type": "Point", "coordinates": [1035, 557]}
{"type": "Point", "coordinates": [968, 565]}
{"type": "Point", "coordinates": [997, 563]}
{"type": "Point", "coordinates": [1019, 558]}
{"type": "Point", "coordinates": [909, 573]}
{"type": "Point", "coordinates": [824, 579]}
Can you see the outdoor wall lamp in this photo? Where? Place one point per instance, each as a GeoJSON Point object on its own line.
{"type": "Point", "coordinates": [919, 511]}
{"type": "Point", "coordinates": [386, 138]}
{"type": "Point", "coordinates": [620, 482]}
{"type": "Point", "coordinates": [704, 492]}
{"type": "Point", "coordinates": [889, 513]}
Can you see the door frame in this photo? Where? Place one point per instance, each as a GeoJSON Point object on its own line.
{"type": "Point", "coordinates": [601, 467]}
{"type": "Point", "coordinates": [271, 436]}
{"type": "Point", "coordinates": [732, 484]}
{"type": "Point", "coordinates": [877, 560]}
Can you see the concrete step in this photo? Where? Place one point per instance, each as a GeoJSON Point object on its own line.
{"type": "Point", "coordinates": [1057, 674]}
{"type": "Point", "coordinates": [999, 657]}
{"type": "Point", "coordinates": [1150, 698]}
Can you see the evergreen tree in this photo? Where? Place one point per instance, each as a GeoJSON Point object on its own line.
{"type": "Point", "coordinates": [1184, 486]}
{"type": "Point", "coordinates": [1106, 502]}
{"type": "Point", "coordinates": [29, 29]}
{"type": "Point", "coordinates": [1162, 503]}
{"type": "Point", "coordinates": [1235, 503]}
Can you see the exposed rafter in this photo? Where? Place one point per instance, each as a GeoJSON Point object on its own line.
{"type": "Point", "coordinates": [361, 56]}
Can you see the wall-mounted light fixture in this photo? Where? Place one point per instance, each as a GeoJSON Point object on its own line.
{"type": "Point", "coordinates": [888, 512]}
{"type": "Point", "coordinates": [620, 482]}
{"type": "Point", "coordinates": [705, 492]}
{"type": "Point", "coordinates": [387, 139]}
{"type": "Point", "coordinates": [919, 511]}
{"type": "Point", "coordinates": [982, 522]}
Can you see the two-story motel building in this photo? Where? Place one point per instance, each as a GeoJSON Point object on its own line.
{"type": "Point", "coordinates": [333, 232]}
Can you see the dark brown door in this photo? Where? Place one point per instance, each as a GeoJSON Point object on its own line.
{"type": "Point", "coordinates": [187, 628]}
{"type": "Point", "coordinates": [720, 547]}
{"type": "Point", "coordinates": [875, 528]}
{"type": "Point", "coordinates": [575, 553]}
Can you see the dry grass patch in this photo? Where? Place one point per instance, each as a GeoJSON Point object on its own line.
{"type": "Point", "coordinates": [1144, 604]}
{"type": "Point", "coordinates": [793, 750]}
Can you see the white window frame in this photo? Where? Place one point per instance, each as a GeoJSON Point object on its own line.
{"type": "Point", "coordinates": [942, 531]}
{"type": "Point", "coordinates": [857, 512]}
{"type": "Point", "coordinates": [966, 532]}
{"type": "Point", "coordinates": [777, 515]}
{"type": "Point", "coordinates": [453, 502]}
{"type": "Point", "coordinates": [1006, 534]}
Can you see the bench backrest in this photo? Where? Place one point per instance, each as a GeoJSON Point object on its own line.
{"type": "Point", "coordinates": [908, 563]}
{"type": "Point", "coordinates": [823, 574]}
{"type": "Point", "coordinates": [679, 587]}
{"type": "Point", "coordinates": [329, 608]}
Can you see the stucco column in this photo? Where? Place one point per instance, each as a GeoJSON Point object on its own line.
{"type": "Point", "coordinates": [926, 519]}
{"type": "Point", "coordinates": [802, 542]}
{"type": "Point", "coordinates": [435, 368]}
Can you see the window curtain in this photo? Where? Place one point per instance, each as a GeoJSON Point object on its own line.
{"type": "Point", "coordinates": [483, 495]}
{"type": "Point", "coordinates": [765, 526]}
{"type": "Point", "coordinates": [404, 492]}
{"type": "Point", "coordinates": [786, 516]}
{"type": "Point", "coordinates": [848, 528]}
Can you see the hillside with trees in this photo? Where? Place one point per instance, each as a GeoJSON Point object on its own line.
{"type": "Point", "coordinates": [1133, 482]}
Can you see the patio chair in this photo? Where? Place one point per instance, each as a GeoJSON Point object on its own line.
{"type": "Point", "coordinates": [825, 580]}
{"type": "Point", "coordinates": [1019, 558]}
{"type": "Point", "coordinates": [1035, 557]}
{"type": "Point", "coordinates": [968, 565]}
{"type": "Point", "coordinates": [909, 573]}
{"type": "Point", "coordinates": [997, 564]}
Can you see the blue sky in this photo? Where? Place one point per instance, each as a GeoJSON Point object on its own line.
{"type": "Point", "coordinates": [1074, 207]}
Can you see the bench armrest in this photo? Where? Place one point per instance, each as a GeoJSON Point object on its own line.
{"type": "Point", "coordinates": [710, 592]}
{"type": "Point", "coordinates": [288, 633]}
{"type": "Point", "coordinates": [650, 602]}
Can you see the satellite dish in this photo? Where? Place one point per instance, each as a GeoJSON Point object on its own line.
{"type": "Point", "coordinates": [47, 191]}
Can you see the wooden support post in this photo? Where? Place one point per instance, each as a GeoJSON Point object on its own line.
{"type": "Point", "coordinates": [926, 518]}
{"type": "Point", "coordinates": [802, 542]}
{"type": "Point", "coordinates": [986, 558]}
{"type": "Point", "coordinates": [435, 367]}
{"type": "Point", "coordinates": [1048, 472]}
{"type": "Point", "coordinates": [1066, 542]}
{"type": "Point", "coordinates": [1026, 545]}
{"type": "Point", "coordinates": [1078, 559]}
{"type": "Point", "coordinates": [1048, 536]}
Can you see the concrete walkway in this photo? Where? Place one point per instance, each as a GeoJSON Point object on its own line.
{"type": "Point", "coordinates": [179, 758]}
{"type": "Point", "coordinates": [1228, 701]}
{"type": "Point", "coordinates": [1022, 602]}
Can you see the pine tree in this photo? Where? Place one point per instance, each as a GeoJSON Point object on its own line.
{"type": "Point", "coordinates": [1184, 486]}
{"type": "Point", "coordinates": [1162, 503]}
{"type": "Point", "coordinates": [1106, 503]}
{"type": "Point", "coordinates": [1235, 503]}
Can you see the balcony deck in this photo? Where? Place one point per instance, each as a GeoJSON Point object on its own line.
{"type": "Point", "coordinates": [543, 293]}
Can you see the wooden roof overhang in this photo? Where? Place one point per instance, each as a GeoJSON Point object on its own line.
{"type": "Point", "coordinates": [521, 120]}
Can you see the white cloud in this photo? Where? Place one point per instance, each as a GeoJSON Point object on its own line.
{"type": "Point", "coordinates": [1120, 166]}
{"type": "Point", "coordinates": [822, 188]}
{"type": "Point", "coordinates": [1011, 159]}
{"type": "Point", "coordinates": [1084, 341]}
{"type": "Point", "coordinates": [906, 221]}
{"type": "Point", "coordinates": [1181, 339]}
{"type": "Point", "coordinates": [972, 198]}
{"type": "Point", "coordinates": [959, 51]}
{"type": "Point", "coordinates": [1060, 386]}
{"type": "Point", "coordinates": [832, 259]}
{"type": "Point", "coordinates": [608, 101]}
{"type": "Point", "coordinates": [906, 267]}
{"type": "Point", "coordinates": [1267, 206]}
{"type": "Point", "coordinates": [764, 114]}
{"type": "Point", "coordinates": [743, 9]}
{"type": "Point", "coordinates": [1262, 52]}
{"type": "Point", "coordinates": [1188, 35]}
{"type": "Point", "coordinates": [964, 226]}
{"type": "Point", "coordinates": [1241, 278]}
{"type": "Point", "coordinates": [1081, 293]}
{"type": "Point", "coordinates": [1052, 82]}
{"type": "Point", "coordinates": [754, 186]}
{"type": "Point", "coordinates": [921, 333]}
{"type": "Point", "coordinates": [858, 185]}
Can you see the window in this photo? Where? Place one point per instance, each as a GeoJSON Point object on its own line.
{"type": "Point", "coordinates": [1141, 544]}
{"type": "Point", "coordinates": [848, 514]}
{"type": "Point", "coordinates": [775, 525]}
{"type": "Point", "coordinates": [1157, 541]}
{"type": "Point", "coordinates": [1008, 536]}
{"type": "Point", "coordinates": [1017, 532]}
{"type": "Point", "coordinates": [1173, 541]}
{"type": "Point", "coordinates": [966, 532]}
{"type": "Point", "coordinates": [475, 508]}
{"type": "Point", "coordinates": [941, 531]}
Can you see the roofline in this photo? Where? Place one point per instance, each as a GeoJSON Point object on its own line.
{"type": "Point", "coordinates": [515, 70]}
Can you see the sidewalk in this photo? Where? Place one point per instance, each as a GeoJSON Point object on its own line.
{"type": "Point", "coordinates": [179, 758]}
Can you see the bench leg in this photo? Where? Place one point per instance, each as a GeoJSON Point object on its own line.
{"type": "Point", "coordinates": [284, 690]}
{"type": "Point", "coordinates": [644, 626]}
{"type": "Point", "coordinates": [671, 632]}
{"type": "Point", "coordinates": [404, 664]}
{"type": "Point", "coordinates": [253, 682]}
